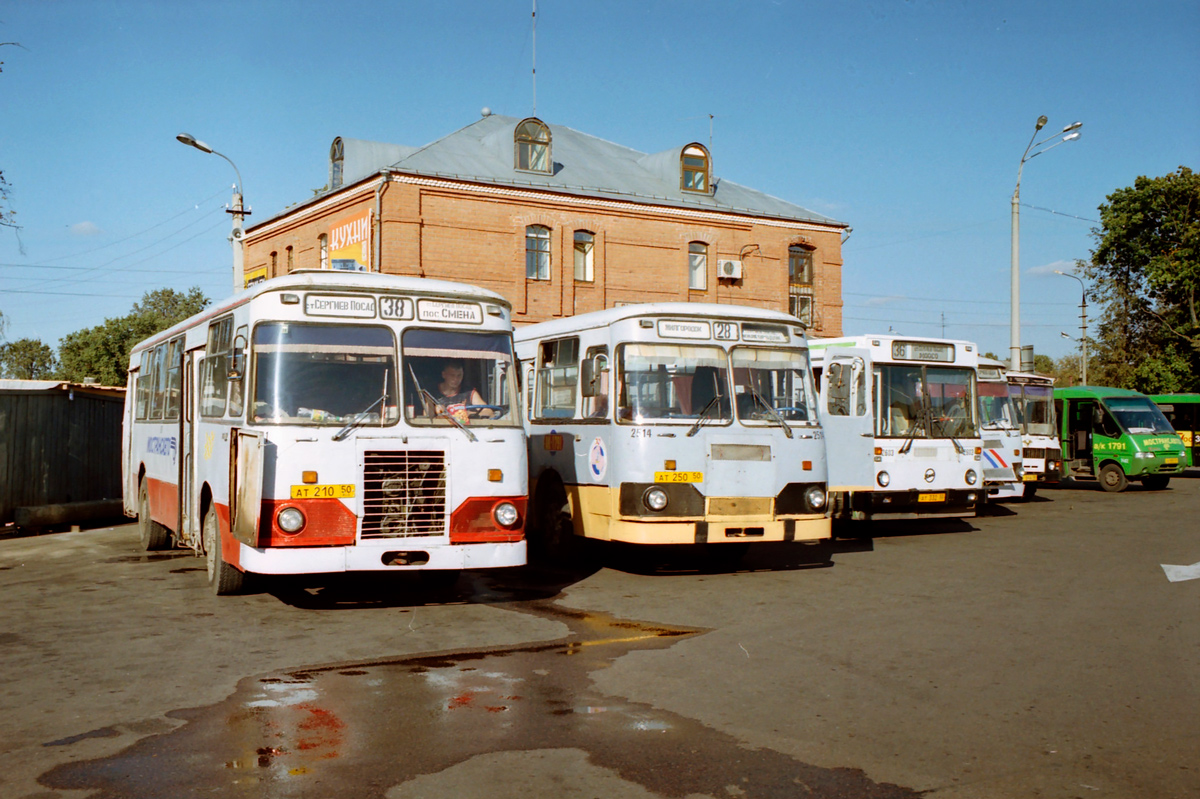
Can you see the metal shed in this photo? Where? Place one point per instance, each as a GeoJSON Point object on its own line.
{"type": "Point", "coordinates": [59, 442]}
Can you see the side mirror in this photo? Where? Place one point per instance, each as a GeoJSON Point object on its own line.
{"type": "Point", "coordinates": [590, 371]}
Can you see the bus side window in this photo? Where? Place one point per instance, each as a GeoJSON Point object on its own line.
{"type": "Point", "coordinates": [557, 379]}
{"type": "Point", "coordinates": [174, 372]}
{"type": "Point", "coordinates": [594, 383]}
{"type": "Point", "coordinates": [237, 382]}
{"type": "Point", "coordinates": [159, 391]}
{"type": "Point", "coordinates": [144, 382]}
{"type": "Point", "coordinates": [215, 369]}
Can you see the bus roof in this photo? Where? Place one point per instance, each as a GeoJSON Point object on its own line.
{"type": "Point", "coordinates": [333, 280]}
{"type": "Point", "coordinates": [1187, 397]}
{"type": "Point", "coordinates": [704, 310]}
{"type": "Point", "coordinates": [1084, 392]}
{"type": "Point", "coordinates": [874, 339]}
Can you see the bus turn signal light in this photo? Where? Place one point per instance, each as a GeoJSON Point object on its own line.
{"type": "Point", "coordinates": [495, 475]}
{"type": "Point", "coordinates": [308, 478]}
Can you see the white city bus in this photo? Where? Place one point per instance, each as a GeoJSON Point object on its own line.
{"type": "Point", "coordinates": [298, 428]}
{"type": "Point", "coordinates": [1033, 397]}
{"type": "Point", "coordinates": [1002, 459]}
{"type": "Point", "coordinates": [901, 426]}
{"type": "Point", "coordinates": [674, 423]}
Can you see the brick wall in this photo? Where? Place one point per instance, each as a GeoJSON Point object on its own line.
{"type": "Point", "coordinates": [476, 234]}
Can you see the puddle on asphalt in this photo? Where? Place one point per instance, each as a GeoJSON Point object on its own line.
{"type": "Point", "coordinates": [361, 729]}
{"type": "Point", "coordinates": [151, 557]}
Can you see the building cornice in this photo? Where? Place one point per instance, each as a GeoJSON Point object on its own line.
{"type": "Point", "coordinates": [367, 189]}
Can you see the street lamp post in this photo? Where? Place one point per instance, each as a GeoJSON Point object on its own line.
{"type": "Point", "coordinates": [1069, 133]}
{"type": "Point", "coordinates": [1082, 326]}
{"type": "Point", "coordinates": [236, 209]}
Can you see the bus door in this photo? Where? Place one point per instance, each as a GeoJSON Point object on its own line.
{"type": "Point", "coordinates": [1080, 418]}
{"type": "Point", "coordinates": [189, 531]}
{"type": "Point", "coordinates": [847, 419]}
{"type": "Point", "coordinates": [245, 484]}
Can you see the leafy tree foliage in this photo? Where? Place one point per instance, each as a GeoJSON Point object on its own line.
{"type": "Point", "coordinates": [102, 351]}
{"type": "Point", "coordinates": [27, 359]}
{"type": "Point", "coordinates": [1145, 272]}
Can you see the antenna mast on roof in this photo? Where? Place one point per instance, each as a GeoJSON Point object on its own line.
{"type": "Point", "coordinates": [535, 57]}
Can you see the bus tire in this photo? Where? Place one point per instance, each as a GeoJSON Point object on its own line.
{"type": "Point", "coordinates": [154, 536]}
{"type": "Point", "coordinates": [1156, 482]}
{"type": "Point", "coordinates": [223, 578]}
{"type": "Point", "coordinates": [1112, 478]}
{"type": "Point", "coordinates": [551, 532]}
{"type": "Point", "coordinates": [1029, 493]}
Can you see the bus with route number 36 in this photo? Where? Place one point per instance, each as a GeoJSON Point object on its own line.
{"type": "Point", "coordinates": [304, 426]}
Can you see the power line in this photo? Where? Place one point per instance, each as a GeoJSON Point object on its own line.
{"type": "Point", "coordinates": [946, 299]}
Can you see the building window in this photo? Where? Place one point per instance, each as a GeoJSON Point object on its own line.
{"type": "Point", "coordinates": [697, 266]}
{"type": "Point", "coordinates": [533, 146]}
{"type": "Point", "coordinates": [537, 252]}
{"type": "Point", "coordinates": [337, 154]}
{"type": "Point", "coordinates": [800, 266]}
{"type": "Point", "coordinates": [694, 169]}
{"type": "Point", "coordinates": [290, 262]}
{"type": "Point", "coordinates": [274, 263]}
{"type": "Point", "coordinates": [323, 247]}
{"type": "Point", "coordinates": [800, 306]}
{"type": "Point", "coordinates": [585, 243]}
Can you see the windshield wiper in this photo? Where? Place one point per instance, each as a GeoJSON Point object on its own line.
{"type": "Point", "coordinates": [957, 446]}
{"type": "Point", "coordinates": [444, 413]}
{"type": "Point", "coordinates": [700, 419]}
{"type": "Point", "coordinates": [358, 419]}
{"type": "Point", "coordinates": [771, 410]}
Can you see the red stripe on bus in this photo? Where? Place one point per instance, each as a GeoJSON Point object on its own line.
{"type": "Point", "coordinates": [164, 502]}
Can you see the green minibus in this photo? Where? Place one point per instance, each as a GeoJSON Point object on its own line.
{"type": "Point", "coordinates": [1183, 412]}
{"type": "Point", "coordinates": [1115, 435]}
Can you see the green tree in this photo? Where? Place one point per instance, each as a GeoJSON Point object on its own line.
{"type": "Point", "coordinates": [102, 351]}
{"type": "Point", "coordinates": [1145, 273]}
{"type": "Point", "coordinates": [27, 359]}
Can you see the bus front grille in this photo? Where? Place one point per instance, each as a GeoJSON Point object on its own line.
{"type": "Point", "coordinates": [404, 494]}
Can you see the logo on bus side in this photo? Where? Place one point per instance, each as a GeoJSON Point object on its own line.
{"type": "Point", "coordinates": [162, 445]}
{"type": "Point", "coordinates": [597, 459]}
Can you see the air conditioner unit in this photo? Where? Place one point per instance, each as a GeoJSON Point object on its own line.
{"type": "Point", "coordinates": [729, 269]}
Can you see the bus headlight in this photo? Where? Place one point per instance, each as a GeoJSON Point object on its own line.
{"type": "Point", "coordinates": [505, 514]}
{"type": "Point", "coordinates": [971, 477]}
{"type": "Point", "coordinates": [815, 497]}
{"type": "Point", "coordinates": [290, 520]}
{"type": "Point", "coordinates": [883, 478]}
{"type": "Point", "coordinates": [655, 498]}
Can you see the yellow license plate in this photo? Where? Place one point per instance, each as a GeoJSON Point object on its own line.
{"type": "Point", "coordinates": [344, 491]}
{"type": "Point", "coordinates": [931, 498]}
{"type": "Point", "coordinates": [679, 477]}
{"type": "Point", "coordinates": [1029, 477]}
{"type": "Point", "coordinates": [1172, 461]}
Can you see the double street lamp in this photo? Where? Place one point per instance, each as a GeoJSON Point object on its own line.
{"type": "Point", "coordinates": [1069, 133]}
{"type": "Point", "coordinates": [1082, 327]}
{"type": "Point", "coordinates": [236, 208]}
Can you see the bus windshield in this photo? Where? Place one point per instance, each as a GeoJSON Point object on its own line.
{"type": "Point", "coordinates": [314, 374]}
{"type": "Point", "coordinates": [1138, 415]}
{"type": "Point", "coordinates": [1035, 408]}
{"type": "Point", "coordinates": [459, 377]}
{"type": "Point", "coordinates": [777, 377]}
{"type": "Point", "coordinates": [925, 401]}
{"type": "Point", "coordinates": [995, 408]}
{"type": "Point", "coordinates": [673, 381]}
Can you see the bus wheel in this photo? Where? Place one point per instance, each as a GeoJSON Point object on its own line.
{"type": "Point", "coordinates": [154, 535]}
{"type": "Point", "coordinates": [552, 534]}
{"type": "Point", "coordinates": [1029, 493]}
{"type": "Point", "coordinates": [223, 579]}
{"type": "Point", "coordinates": [1112, 478]}
{"type": "Point", "coordinates": [1156, 482]}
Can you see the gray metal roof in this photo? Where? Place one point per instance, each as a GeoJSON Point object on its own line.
{"type": "Point", "coordinates": [483, 152]}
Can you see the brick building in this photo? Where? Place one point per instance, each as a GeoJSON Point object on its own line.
{"type": "Point", "coordinates": [559, 222]}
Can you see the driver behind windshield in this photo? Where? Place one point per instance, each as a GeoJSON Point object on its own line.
{"type": "Point", "coordinates": [452, 397]}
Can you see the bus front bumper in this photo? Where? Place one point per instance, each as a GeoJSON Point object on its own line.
{"type": "Point", "coordinates": [318, 560]}
{"type": "Point", "coordinates": [945, 503]}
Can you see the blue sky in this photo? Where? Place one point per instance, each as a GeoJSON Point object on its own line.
{"type": "Point", "coordinates": [906, 120]}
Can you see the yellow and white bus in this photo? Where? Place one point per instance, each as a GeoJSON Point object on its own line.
{"type": "Point", "coordinates": [673, 423]}
{"type": "Point", "coordinates": [901, 424]}
{"type": "Point", "coordinates": [1033, 398]}
{"type": "Point", "coordinates": [302, 427]}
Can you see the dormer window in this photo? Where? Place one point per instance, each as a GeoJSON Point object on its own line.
{"type": "Point", "coordinates": [694, 165]}
{"type": "Point", "coordinates": [532, 141]}
{"type": "Point", "coordinates": [337, 154]}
